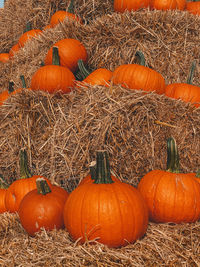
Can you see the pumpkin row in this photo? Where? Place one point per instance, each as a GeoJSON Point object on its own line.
{"type": "Point", "coordinates": [101, 207]}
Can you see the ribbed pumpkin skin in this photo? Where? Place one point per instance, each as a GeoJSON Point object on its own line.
{"type": "Point", "coordinates": [28, 35]}
{"type": "Point", "coordinates": [53, 78]}
{"type": "Point", "coordinates": [2, 200]}
{"type": "Point", "coordinates": [4, 57]}
{"type": "Point", "coordinates": [135, 76]}
{"type": "Point", "coordinates": [100, 76]}
{"type": "Point", "coordinates": [37, 210]}
{"type": "Point", "coordinates": [122, 5]}
{"type": "Point", "coordinates": [186, 92]}
{"type": "Point", "coordinates": [171, 197]}
{"type": "Point", "coordinates": [193, 7]}
{"type": "Point", "coordinates": [112, 213]}
{"type": "Point", "coordinates": [61, 15]}
{"type": "Point", "coordinates": [70, 51]}
{"type": "Point", "coordinates": [17, 190]}
{"type": "Point", "coordinates": [168, 4]}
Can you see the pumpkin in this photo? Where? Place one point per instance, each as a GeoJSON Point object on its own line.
{"type": "Point", "coordinates": [4, 57]}
{"type": "Point", "coordinates": [171, 196]}
{"type": "Point", "coordinates": [139, 77]}
{"type": "Point", "coordinates": [42, 208]}
{"type": "Point", "coordinates": [113, 213]}
{"type": "Point", "coordinates": [28, 34]}
{"type": "Point", "coordinates": [70, 51]}
{"type": "Point", "coordinates": [168, 4]}
{"type": "Point", "coordinates": [15, 48]}
{"type": "Point", "coordinates": [99, 76]}
{"type": "Point", "coordinates": [193, 7]}
{"type": "Point", "coordinates": [185, 91]}
{"type": "Point", "coordinates": [7, 93]}
{"type": "Point", "coordinates": [20, 187]}
{"type": "Point", "coordinates": [53, 78]}
{"type": "Point", "coordinates": [122, 5]}
{"type": "Point", "coordinates": [3, 189]}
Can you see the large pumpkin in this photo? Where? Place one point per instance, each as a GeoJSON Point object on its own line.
{"type": "Point", "coordinates": [20, 187]}
{"type": "Point", "coordinates": [138, 76]}
{"type": "Point", "coordinates": [171, 196]}
{"type": "Point", "coordinates": [42, 207]}
{"type": "Point", "coordinates": [122, 5]}
{"type": "Point", "coordinates": [70, 51]}
{"type": "Point", "coordinates": [113, 213]}
{"type": "Point", "coordinates": [53, 78]}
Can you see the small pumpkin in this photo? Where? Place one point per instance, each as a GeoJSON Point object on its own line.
{"type": "Point", "coordinates": [61, 15]}
{"type": "Point", "coordinates": [139, 77]}
{"type": "Point", "coordinates": [53, 78]}
{"type": "Point", "coordinates": [113, 213]}
{"type": "Point", "coordinates": [121, 5]}
{"type": "Point", "coordinates": [70, 51]}
{"type": "Point", "coordinates": [3, 188]}
{"type": "Point", "coordinates": [15, 48]}
{"type": "Point", "coordinates": [193, 7]}
{"type": "Point", "coordinates": [185, 91]}
{"type": "Point", "coordinates": [42, 208]}
{"type": "Point", "coordinates": [28, 34]}
{"type": "Point", "coordinates": [99, 76]}
{"type": "Point", "coordinates": [168, 4]}
{"type": "Point", "coordinates": [20, 187]}
{"type": "Point", "coordinates": [171, 196]}
{"type": "Point", "coordinates": [4, 57]}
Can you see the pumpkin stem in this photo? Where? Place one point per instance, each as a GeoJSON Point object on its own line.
{"type": "Point", "coordinates": [71, 7]}
{"type": "Point", "coordinates": [23, 81]}
{"type": "Point", "coordinates": [141, 58]}
{"type": "Point", "coordinates": [28, 27]}
{"type": "Point", "coordinates": [172, 156]}
{"type": "Point", "coordinates": [191, 73]}
{"type": "Point", "coordinates": [83, 71]}
{"type": "Point", "coordinates": [3, 183]}
{"type": "Point", "coordinates": [93, 170]}
{"type": "Point", "coordinates": [103, 175]}
{"type": "Point", "coordinates": [55, 57]}
{"type": "Point", "coordinates": [42, 186]}
{"type": "Point", "coordinates": [11, 87]}
{"type": "Point", "coordinates": [23, 163]}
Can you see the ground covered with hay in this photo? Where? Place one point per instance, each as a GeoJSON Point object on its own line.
{"type": "Point", "coordinates": [62, 132]}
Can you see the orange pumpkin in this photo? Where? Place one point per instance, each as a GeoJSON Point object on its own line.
{"type": "Point", "coordinates": [171, 196]}
{"type": "Point", "coordinates": [4, 57]}
{"type": "Point", "coordinates": [139, 77]}
{"type": "Point", "coordinates": [28, 34]}
{"type": "Point", "coordinates": [53, 78]}
{"type": "Point", "coordinates": [19, 188]}
{"type": "Point", "coordinates": [122, 5]}
{"type": "Point", "coordinates": [70, 51]}
{"type": "Point", "coordinates": [185, 91]}
{"type": "Point", "coordinates": [168, 4]}
{"type": "Point", "coordinates": [42, 207]}
{"type": "Point", "coordinates": [113, 213]}
{"type": "Point", "coordinates": [15, 48]}
{"type": "Point", "coordinates": [193, 7]}
{"type": "Point", "coordinates": [7, 93]}
{"type": "Point", "coordinates": [99, 76]}
{"type": "Point", "coordinates": [3, 189]}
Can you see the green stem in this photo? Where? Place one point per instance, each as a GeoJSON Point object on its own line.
{"type": "Point", "coordinates": [103, 175]}
{"type": "Point", "coordinates": [42, 186]}
{"type": "Point", "coordinates": [172, 156]}
{"type": "Point", "coordinates": [141, 58]}
{"type": "Point", "coordinates": [83, 71]}
{"type": "Point", "coordinates": [55, 57]}
{"type": "Point", "coordinates": [23, 81]}
{"type": "Point", "coordinates": [71, 7]}
{"type": "Point", "coordinates": [23, 163]}
{"type": "Point", "coordinates": [11, 87]}
{"type": "Point", "coordinates": [191, 73]}
{"type": "Point", "coordinates": [28, 27]}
